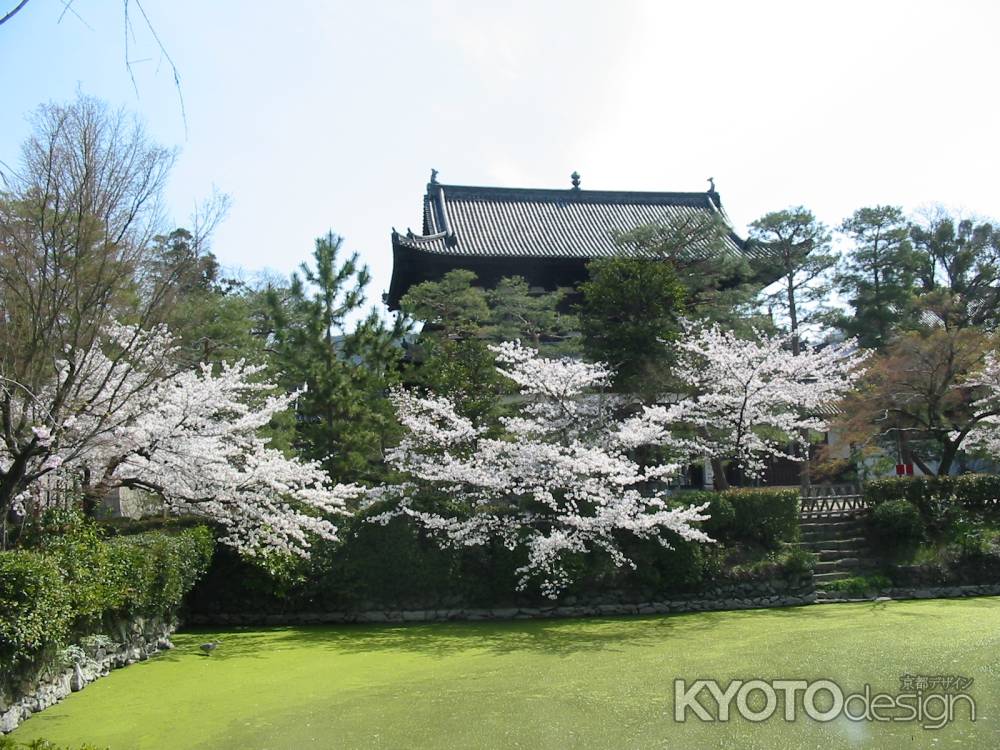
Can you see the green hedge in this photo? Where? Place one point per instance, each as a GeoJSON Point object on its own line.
{"type": "Point", "coordinates": [72, 582]}
{"type": "Point", "coordinates": [765, 516]}
{"type": "Point", "coordinates": [972, 491]}
{"type": "Point", "coordinates": [755, 515]}
{"type": "Point", "coordinates": [34, 605]}
{"type": "Point", "coordinates": [721, 523]}
{"type": "Point", "coordinates": [896, 524]}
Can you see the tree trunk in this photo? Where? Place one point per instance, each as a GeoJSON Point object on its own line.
{"type": "Point", "coordinates": [947, 458]}
{"type": "Point", "coordinates": [805, 469]}
{"type": "Point", "coordinates": [920, 464]}
{"type": "Point", "coordinates": [90, 495]}
{"type": "Point", "coordinates": [719, 480]}
{"type": "Point", "coordinates": [805, 479]}
{"type": "Point", "coordinates": [90, 503]}
{"type": "Point", "coordinates": [10, 485]}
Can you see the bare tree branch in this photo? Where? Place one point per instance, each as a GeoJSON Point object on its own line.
{"type": "Point", "coordinates": [11, 13]}
{"type": "Point", "coordinates": [173, 67]}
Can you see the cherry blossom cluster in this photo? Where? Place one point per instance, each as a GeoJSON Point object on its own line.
{"type": "Point", "coordinates": [751, 399]}
{"type": "Point", "coordinates": [117, 416]}
{"type": "Point", "coordinates": [985, 435]}
{"type": "Point", "coordinates": [559, 480]}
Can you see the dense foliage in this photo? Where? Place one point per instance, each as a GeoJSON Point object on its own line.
{"type": "Point", "coordinates": [630, 306]}
{"type": "Point", "coordinates": [937, 530]}
{"type": "Point", "coordinates": [896, 524]}
{"type": "Point", "coordinates": [753, 515]}
{"type": "Point", "coordinates": [75, 581]}
{"type": "Point", "coordinates": [766, 516]}
{"type": "Point", "coordinates": [971, 491]}
{"type": "Point", "coordinates": [399, 566]}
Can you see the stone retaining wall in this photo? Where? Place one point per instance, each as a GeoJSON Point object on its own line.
{"type": "Point", "coordinates": [133, 641]}
{"type": "Point", "coordinates": [928, 592]}
{"type": "Point", "coordinates": [742, 595]}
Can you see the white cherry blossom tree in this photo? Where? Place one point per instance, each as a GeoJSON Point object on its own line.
{"type": "Point", "coordinates": [983, 430]}
{"type": "Point", "coordinates": [752, 399]}
{"type": "Point", "coordinates": [558, 480]}
{"type": "Point", "coordinates": [116, 415]}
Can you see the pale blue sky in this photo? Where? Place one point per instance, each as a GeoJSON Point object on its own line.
{"type": "Point", "coordinates": [326, 115]}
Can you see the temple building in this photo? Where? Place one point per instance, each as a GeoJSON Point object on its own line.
{"type": "Point", "coordinates": [546, 236]}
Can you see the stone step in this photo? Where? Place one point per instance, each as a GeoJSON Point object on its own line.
{"type": "Point", "coordinates": [828, 544]}
{"type": "Point", "coordinates": [828, 523]}
{"type": "Point", "coordinates": [832, 532]}
{"type": "Point", "coordinates": [843, 563]}
{"type": "Point", "coordinates": [833, 576]}
{"type": "Point", "coordinates": [838, 554]}
{"type": "Point", "coordinates": [833, 542]}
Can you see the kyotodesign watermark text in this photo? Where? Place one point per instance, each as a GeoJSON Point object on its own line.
{"type": "Point", "coordinates": [930, 701]}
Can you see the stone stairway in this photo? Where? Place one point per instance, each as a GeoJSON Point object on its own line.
{"type": "Point", "coordinates": [839, 544]}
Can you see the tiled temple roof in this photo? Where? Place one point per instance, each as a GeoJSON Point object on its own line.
{"type": "Point", "coordinates": [470, 221]}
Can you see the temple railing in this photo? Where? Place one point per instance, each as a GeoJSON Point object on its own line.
{"type": "Point", "coordinates": [832, 500]}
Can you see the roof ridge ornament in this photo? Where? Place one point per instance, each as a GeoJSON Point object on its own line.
{"type": "Point", "coordinates": [713, 195]}
{"type": "Point", "coordinates": [575, 179]}
{"type": "Point", "coordinates": [434, 177]}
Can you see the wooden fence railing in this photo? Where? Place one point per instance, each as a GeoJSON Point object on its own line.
{"type": "Point", "coordinates": [826, 501]}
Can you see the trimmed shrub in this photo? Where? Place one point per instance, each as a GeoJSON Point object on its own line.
{"type": "Point", "coordinates": [659, 570]}
{"type": "Point", "coordinates": [722, 516]}
{"type": "Point", "coordinates": [972, 491]}
{"type": "Point", "coordinates": [94, 581]}
{"type": "Point", "coordinates": [159, 569]}
{"type": "Point", "coordinates": [896, 524]}
{"type": "Point", "coordinates": [765, 516]}
{"type": "Point", "coordinates": [35, 609]}
{"type": "Point", "coordinates": [75, 582]}
{"type": "Point", "coordinates": [789, 561]}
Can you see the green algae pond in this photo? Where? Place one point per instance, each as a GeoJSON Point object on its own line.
{"type": "Point", "coordinates": [588, 683]}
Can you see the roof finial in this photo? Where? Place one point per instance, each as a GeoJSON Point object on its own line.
{"type": "Point", "coordinates": [711, 184]}
{"type": "Point", "coordinates": [575, 177]}
{"type": "Point", "coordinates": [434, 177]}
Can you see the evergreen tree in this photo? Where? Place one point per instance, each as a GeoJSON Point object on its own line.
{"type": "Point", "coordinates": [451, 354]}
{"type": "Point", "coordinates": [465, 369]}
{"type": "Point", "coordinates": [629, 307]}
{"type": "Point", "coordinates": [797, 249]}
{"type": "Point", "coordinates": [212, 319]}
{"type": "Point", "coordinates": [453, 307]}
{"type": "Point", "coordinates": [720, 285]}
{"type": "Point", "coordinates": [344, 419]}
{"type": "Point", "coordinates": [533, 317]}
{"type": "Point", "coordinates": [877, 276]}
{"type": "Point", "coordinates": [958, 269]}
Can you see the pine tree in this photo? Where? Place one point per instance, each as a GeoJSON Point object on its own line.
{"type": "Point", "coordinates": [797, 249]}
{"type": "Point", "coordinates": [630, 307]}
{"type": "Point", "coordinates": [878, 274]}
{"type": "Point", "coordinates": [344, 419]}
